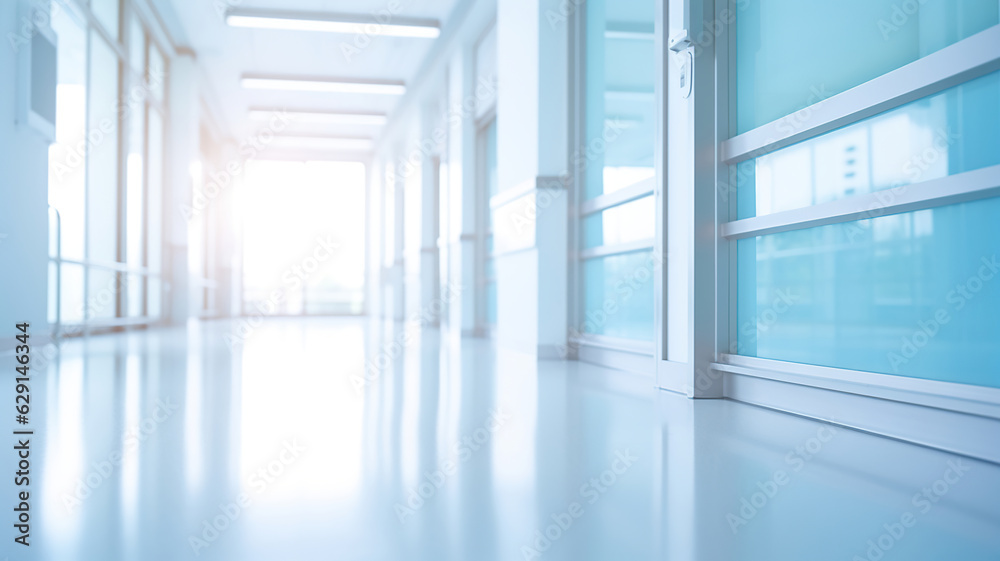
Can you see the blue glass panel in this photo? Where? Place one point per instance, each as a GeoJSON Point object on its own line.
{"type": "Point", "coordinates": [625, 223]}
{"type": "Point", "coordinates": [618, 296]}
{"type": "Point", "coordinates": [951, 132]}
{"type": "Point", "coordinates": [491, 303]}
{"type": "Point", "coordinates": [914, 294]}
{"type": "Point", "coordinates": [620, 109]}
{"type": "Point", "coordinates": [491, 269]}
{"type": "Point", "coordinates": [792, 54]}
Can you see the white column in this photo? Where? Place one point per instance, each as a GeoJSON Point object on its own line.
{"type": "Point", "coordinates": [530, 211]}
{"type": "Point", "coordinates": [431, 133]}
{"type": "Point", "coordinates": [396, 296]}
{"type": "Point", "coordinates": [182, 155]}
{"type": "Point", "coordinates": [374, 242]}
{"type": "Point", "coordinates": [461, 153]}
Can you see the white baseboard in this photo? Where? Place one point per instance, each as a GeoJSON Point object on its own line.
{"type": "Point", "coordinates": [966, 434]}
{"type": "Point", "coordinates": [607, 353]}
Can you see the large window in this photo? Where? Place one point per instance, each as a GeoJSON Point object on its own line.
{"type": "Point", "coordinates": [105, 170]}
{"type": "Point", "coordinates": [866, 228]}
{"type": "Point", "coordinates": [614, 167]}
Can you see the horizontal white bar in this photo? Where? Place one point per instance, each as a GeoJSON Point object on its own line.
{"type": "Point", "coordinates": [527, 187]}
{"type": "Point", "coordinates": [323, 85]}
{"type": "Point", "coordinates": [969, 186]}
{"type": "Point", "coordinates": [632, 192]}
{"type": "Point", "coordinates": [335, 23]}
{"type": "Point", "coordinates": [119, 267]}
{"type": "Point", "coordinates": [614, 343]}
{"type": "Point", "coordinates": [952, 431]}
{"type": "Point", "coordinates": [322, 117]}
{"type": "Point", "coordinates": [964, 398]}
{"type": "Point", "coordinates": [606, 250]}
{"type": "Point", "coordinates": [970, 58]}
{"type": "Point", "coordinates": [323, 143]}
{"type": "Point", "coordinates": [624, 31]}
{"type": "Point", "coordinates": [77, 328]}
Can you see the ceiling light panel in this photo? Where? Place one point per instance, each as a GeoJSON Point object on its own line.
{"type": "Point", "coordinates": [323, 85]}
{"type": "Point", "coordinates": [335, 23]}
{"type": "Point", "coordinates": [322, 117]}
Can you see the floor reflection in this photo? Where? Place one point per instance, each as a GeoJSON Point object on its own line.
{"type": "Point", "coordinates": [341, 438]}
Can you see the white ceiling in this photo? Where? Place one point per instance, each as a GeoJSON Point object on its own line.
{"type": "Point", "coordinates": [226, 53]}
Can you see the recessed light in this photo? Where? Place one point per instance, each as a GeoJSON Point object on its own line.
{"type": "Point", "coordinates": [334, 23]}
{"type": "Point", "coordinates": [324, 85]}
{"type": "Point", "coordinates": [322, 117]}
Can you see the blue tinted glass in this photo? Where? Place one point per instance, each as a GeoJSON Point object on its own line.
{"type": "Point", "coordinates": [618, 296]}
{"type": "Point", "coordinates": [951, 132]}
{"type": "Point", "coordinates": [491, 270]}
{"type": "Point", "coordinates": [620, 109]}
{"type": "Point", "coordinates": [625, 223]}
{"type": "Point", "coordinates": [914, 294]}
{"type": "Point", "coordinates": [791, 54]}
{"type": "Point", "coordinates": [106, 12]}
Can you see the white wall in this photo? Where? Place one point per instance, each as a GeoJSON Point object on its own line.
{"type": "Point", "coordinates": [23, 201]}
{"type": "Point", "coordinates": [530, 213]}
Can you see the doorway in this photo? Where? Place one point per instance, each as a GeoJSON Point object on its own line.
{"type": "Point", "coordinates": [304, 238]}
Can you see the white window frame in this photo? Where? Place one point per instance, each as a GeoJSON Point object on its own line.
{"type": "Point", "coordinates": [961, 418]}
{"type": "Point", "coordinates": [85, 18]}
{"type": "Point", "coordinates": [613, 352]}
{"type": "Point", "coordinates": [483, 327]}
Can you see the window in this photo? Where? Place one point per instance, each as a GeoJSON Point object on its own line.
{"type": "Point", "coordinates": [67, 166]}
{"type": "Point", "coordinates": [105, 173]}
{"type": "Point", "coordinates": [615, 170]}
{"type": "Point", "coordinates": [102, 152]}
{"type": "Point", "coordinates": [318, 209]}
{"type": "Point", "coordinates": [867, 240]}
{"type": "Point", "coordinates": [773, 81]}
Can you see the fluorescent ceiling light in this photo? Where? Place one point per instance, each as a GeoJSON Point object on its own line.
{"type": "Point", "coordinates": [324, 143]}
{"type": "Point", "coordinates": [325, 86]}
{"type": "Point", "coordinates": [335, 23]}
{"type": "Point", "coordinates": [322, 117]}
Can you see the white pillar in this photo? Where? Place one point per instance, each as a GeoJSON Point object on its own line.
{"type": "Point", "coordinates": [395, 300]}
{"type": "Point", "coordinates": [530, 211]}
{"type": "Point", "coordinates": [182, 153]}
{"type": "Point", "coordinates": [461, 157]}
{"type": "Point", "coordinates": [374, 240]}
{"type": "Point", "coordinates": [431, 134]}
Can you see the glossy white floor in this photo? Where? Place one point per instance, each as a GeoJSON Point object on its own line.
{"type": "Point", "coordinates": [267, 451]}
